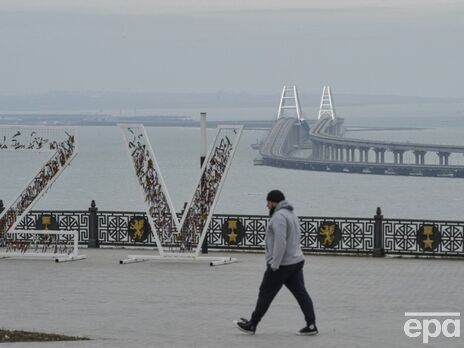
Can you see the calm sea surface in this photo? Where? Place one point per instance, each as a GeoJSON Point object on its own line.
{"type": "Point", "coordinates": [102, 172]}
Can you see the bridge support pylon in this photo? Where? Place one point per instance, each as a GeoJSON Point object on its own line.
{"type": "Point", "coordinates": [289, 101]}
{"type": "Point", "coordinates": [327, 110]}
{"type": "Point", "coordinates": [327, 107]}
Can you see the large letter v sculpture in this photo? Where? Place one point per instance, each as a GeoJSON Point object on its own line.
{"type": "Point", "coordinates": [180, 240]}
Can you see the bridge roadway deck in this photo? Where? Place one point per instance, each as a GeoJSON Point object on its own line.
{"type": "Point", "coordinates": [318, 134]}
{"type": "Point", "coordinates": [274, 142]}
{"type": "Point", "coordinates": [359, 301]}
{"type": "Point", "coordinates": [281, 129]}
{"type": "Point", "coordinates": [273, 153]}
{"type": "Point", "coordinates": [358, 167]}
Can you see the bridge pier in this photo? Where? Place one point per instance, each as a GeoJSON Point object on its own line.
{"type": "Point", "coordinates": [379, 155]}
{"type": "Point", "coordinates": [398, 156]}
{"type": "Point", "coordinates": [317, 152]}
{"type": "Point", "coordinates": [363, 154]}
{"type": "Point", "coordinates": [325, 151]}
{"type": "Point", "coordinates": [443, 157]}
{"type": "Point", "coordinates": [366, 154]}
{"type": "Point", "coordinates": [420, 157]}
{"type": "Point", "coordinates": [333, 152]}
{"type": "Point", "coordinates": [347, 152]}
{"type": "Point", "coordinates": [340, 151]}
{"type": "Point", "coordinates": [314, 150]}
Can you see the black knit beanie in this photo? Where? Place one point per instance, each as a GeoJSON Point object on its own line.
{"type": "Point", "coordinates": [275, 196]}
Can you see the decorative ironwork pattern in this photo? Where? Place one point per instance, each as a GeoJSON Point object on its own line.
{"type": "Point", "coordinates": [357, 235]}
{"type": "Point", "coordinates": [67, 221]}
{"type": "Point", "coordinates": [113, 229]}
{"type": "Point", "coordinates": [400, 237]}
{"type": "Point", "coordinates": [255, 228]}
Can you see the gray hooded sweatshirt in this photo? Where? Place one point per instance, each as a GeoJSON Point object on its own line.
{"type": "Point", "coordinates": [283, 237]}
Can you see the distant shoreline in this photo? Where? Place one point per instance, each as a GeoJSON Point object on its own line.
{"type": "Point", "coordinates": [149, 121]}
{"type": "Point", "coordinates": [154, 121]}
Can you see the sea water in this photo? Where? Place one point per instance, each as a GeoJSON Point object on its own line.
{"type": "Point", "coordinates": [102, 172]}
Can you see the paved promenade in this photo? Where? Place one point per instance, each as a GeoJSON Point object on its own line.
{"type": "Point", "coordinates": [359, 301]}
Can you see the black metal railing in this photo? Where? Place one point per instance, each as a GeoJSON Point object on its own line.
{"type": "Point", "coordinates": [67, 221]}
{"type": "Point", "coordinates": [445, 237]}
{"type": "Point", "coordinates": [376, 235]}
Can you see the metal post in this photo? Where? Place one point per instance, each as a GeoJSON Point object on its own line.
{"type": "Point", "coordinates": [378, 234]}
{"type": "Point", "coordinates": [2, 239]}
{"type": "Point", "coordinates": [202, 137]}
{"type": "Point", "coordinates": [93, 226]}
{"type": "Point", "coordinates": [204, 246]}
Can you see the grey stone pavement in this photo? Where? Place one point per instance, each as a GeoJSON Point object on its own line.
{"type": "Point", "coordinates": [359, 301]}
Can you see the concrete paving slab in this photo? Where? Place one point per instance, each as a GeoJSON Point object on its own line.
{"type": "Point", "coordinates": [359, 301]}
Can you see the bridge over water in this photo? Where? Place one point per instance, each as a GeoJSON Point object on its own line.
{"type": "Point", "coordinates": [294, 142]}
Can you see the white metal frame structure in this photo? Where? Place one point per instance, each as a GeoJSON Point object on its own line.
{"type": "Point", "coordinates": [327, 106]}
{"type": "Point", "coordinates": [59, 142]}
{"type": "Point", "coordinates": [289, 101]}
{"type": "Point", "coordinates": [180, 241]}
{"type": "Point", "coordinates": [59, 248]}
{"type": "Point", "coordinates": [160, 210]}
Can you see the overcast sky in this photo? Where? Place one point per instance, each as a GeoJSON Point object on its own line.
{"type": "Point", "coordinates": [400, 47]}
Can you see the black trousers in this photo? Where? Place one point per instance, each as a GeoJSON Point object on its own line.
{"type": "Point", "coordinates": [292, 277]}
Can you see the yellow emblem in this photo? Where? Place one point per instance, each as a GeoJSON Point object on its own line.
{"type": "Point", "coordinates": [428, 232]}
{"type": "Point", "coordinates": [232, 231]}
{"type": "Point", "coordinates": [46, 221]}
{"type": "Point", "coordinates": [138, 226]}
{"type": "Point", "coordinates": [233, 228]}
{"type": "Point", "coordinates": [328, 232]}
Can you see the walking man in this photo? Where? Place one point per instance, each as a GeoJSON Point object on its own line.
{"type": "Point", "coordinates": [284, 266]}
